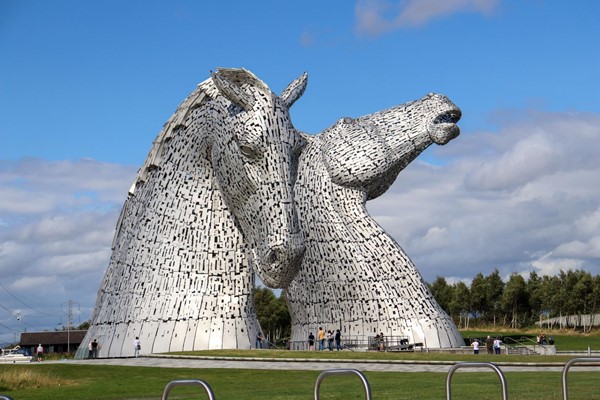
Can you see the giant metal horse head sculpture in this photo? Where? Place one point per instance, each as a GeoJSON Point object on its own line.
{"type": "Point", "coordinates": [371, 150]}
{"type": "Point", "coordinates": [212, 204]}
{"type": "Point", "coordinates": [354, 276]}
{"type": "Point", "coordinates": [254, 151]}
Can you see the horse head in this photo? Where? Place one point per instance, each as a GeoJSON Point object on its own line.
{"type": "Point", "coordinates": [369, 151]}
{"type": "Point", "coordinates": [254, 154]}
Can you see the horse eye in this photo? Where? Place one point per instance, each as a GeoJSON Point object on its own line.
{"type": "Point", "coordinates": [248, 151]}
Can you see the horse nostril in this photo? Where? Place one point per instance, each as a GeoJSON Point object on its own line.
{"type": "Point", "coordinates": [273, 258]}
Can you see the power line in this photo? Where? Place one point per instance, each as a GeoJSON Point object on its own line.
{"type": "Point", "coordinates": [17, 316]}
{"type": "Point", "coordinates": [10, 311]}
{"type": "Point", "coordinates": [10, 329]}
{"type": "Point", "coordinates": [26, 305]}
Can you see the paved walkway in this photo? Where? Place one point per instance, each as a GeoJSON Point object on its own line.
{"type": "Point", "coordinates": [314, 365]}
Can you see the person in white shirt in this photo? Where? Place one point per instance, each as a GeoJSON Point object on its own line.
{"type": "Point", "coordinates": [136, 346]}
{"type": "Point", "coordinates": [40, 352]}
{"type": "Point", "coordinates": [497, 344]}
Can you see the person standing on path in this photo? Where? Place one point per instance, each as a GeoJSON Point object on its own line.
{"type": "Point", "coordinates": [40, 352]}
{"type": "Point", "coordinates": [321, 337]}
{"type": "Point", "coordinates": [497, 344]}
{"type": "Point", "coordinates": [94, 349]}
{"type": "Point", "coordinates": [137, 346]}
{"type": "Point", "coordinates": [311, 341]}
{"type": "Point", "coordinates": [330, 338]}
{"type": "Point", "coordinates": [259, 339]}
{"type": "Point", "coordinates": [489, 345]}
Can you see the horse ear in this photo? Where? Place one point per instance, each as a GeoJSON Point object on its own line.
{"type": "Point", "coordinates": [232, 92]}
{"type": "Point", "coordinates": [294, 90]}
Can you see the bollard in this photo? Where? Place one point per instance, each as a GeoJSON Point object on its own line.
{"type": "Point", "coordinates": [566, 368]}
{"type": "Point", "coordinates": [196, 382]}
{"type": "Point", "coordinates": [343, 372]}
{"type": "Point", "coordinates": [476, 365]}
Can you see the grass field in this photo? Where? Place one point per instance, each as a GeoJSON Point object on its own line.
{"type": "Point", "coordinates": [38, 381]}
{"type": "Point", "coordinates": [63, 381]}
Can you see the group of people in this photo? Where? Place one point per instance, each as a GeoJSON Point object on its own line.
{"type": "Point", "coordinates": [93, 349]}
{"type": "Point", "coordinates": [541, 339]}
{"type": "Point", "coordinates": [322, 336]}
{"type": "Point", "coordinates": [380, 342]}
{"type": "Point", "coordinates": [492, 345]}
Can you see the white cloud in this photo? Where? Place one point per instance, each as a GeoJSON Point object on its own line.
{"type": "Point", "coordinates": [525, 198]}
{"type": "Point", "coordinates": [374, 17]}
{"type": "Point", "coordinates": [58, 220]}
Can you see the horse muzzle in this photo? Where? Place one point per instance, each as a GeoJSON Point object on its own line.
{"type": "Point", "coordinates": [280, 262]}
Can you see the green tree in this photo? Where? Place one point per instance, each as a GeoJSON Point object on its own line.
{"type": "Point", "coordinates": [493, 297]}
{"type": "Point", "coordinates": [479, 296]}
{"type": "Point", "coordinates": [460, 304]}
{"type": "Point", "coordinates": [272, 313]}
{"type": "Point", "coordinates": [595, 297]}
{"type": "Point", "coordinates": [554, 295]}
{"type": "Point", "coordinates": [84, 326]}
{"type": "Point", "coordinates": [582, 293]}
{"type": "Point", "coordinates": [535, 295]}
{"type": "Point", "coordinates": [442, 292]}
{"type": "Point", "coordinates": [573, 291]}
{"type": "Point", "coordinates": [514, 299]}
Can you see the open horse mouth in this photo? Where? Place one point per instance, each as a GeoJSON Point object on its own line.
{"type": "Point", "coordinates": [443, 128]}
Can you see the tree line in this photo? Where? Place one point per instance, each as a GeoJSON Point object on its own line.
{"type": "Point", "coordinates": [488, 300]}
{"type": "Point", "coordinates": [519, 302]}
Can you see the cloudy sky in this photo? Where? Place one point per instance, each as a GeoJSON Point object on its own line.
{"type": "Point", "coordinates": [86, 86]}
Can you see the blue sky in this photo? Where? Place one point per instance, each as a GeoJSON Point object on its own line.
{"type": "Point", "coordinates": [86, 86]}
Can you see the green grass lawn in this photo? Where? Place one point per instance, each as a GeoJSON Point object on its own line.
{"type": "Point", "coordinates": [75, 381]}
{"type": "Point", "coordinates": [111, 382]}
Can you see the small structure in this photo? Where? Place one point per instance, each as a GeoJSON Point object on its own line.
{"type": "Point", "coordinates": [53, 342]}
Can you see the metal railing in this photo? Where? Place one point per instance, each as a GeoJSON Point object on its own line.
{"type": "Point", "coordinates": [195, 382]}
{"type": "Point", "coordinates": [524, 342]}
{"type": "Point", "coordinates": [331, 372]}
{"type": "Point", "coordinates": [568, 365]}
{"type": "Point", "coordinates": [475, 365]}
{"type": "Point", "coordinates": [390, 343]}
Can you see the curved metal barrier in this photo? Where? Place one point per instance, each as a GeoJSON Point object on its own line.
{"type": "Point", "coordinates": [3, 397]}
{"type": "Point", "coordinates": [195, 382]}
{"type": "Point", "coordinates": [476, 365]}
{"type": "Point", "coordinates": [329, 372]}
{"type": "Point", "coordinates": [568, 365]}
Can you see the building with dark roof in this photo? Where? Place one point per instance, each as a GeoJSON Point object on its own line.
{"type": "Point", "coordinates": [53, 342]}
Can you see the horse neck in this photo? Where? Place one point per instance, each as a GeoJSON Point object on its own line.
{"type": "Point", "coordinates": [331, 213]}
{"type": "Point", "coordinates": [177, 183]}
{"type": "Point", "coordinates": [340, 210]}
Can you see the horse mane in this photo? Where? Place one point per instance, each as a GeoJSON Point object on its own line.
{"type": "Point", "coordinates": [205, 91]}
